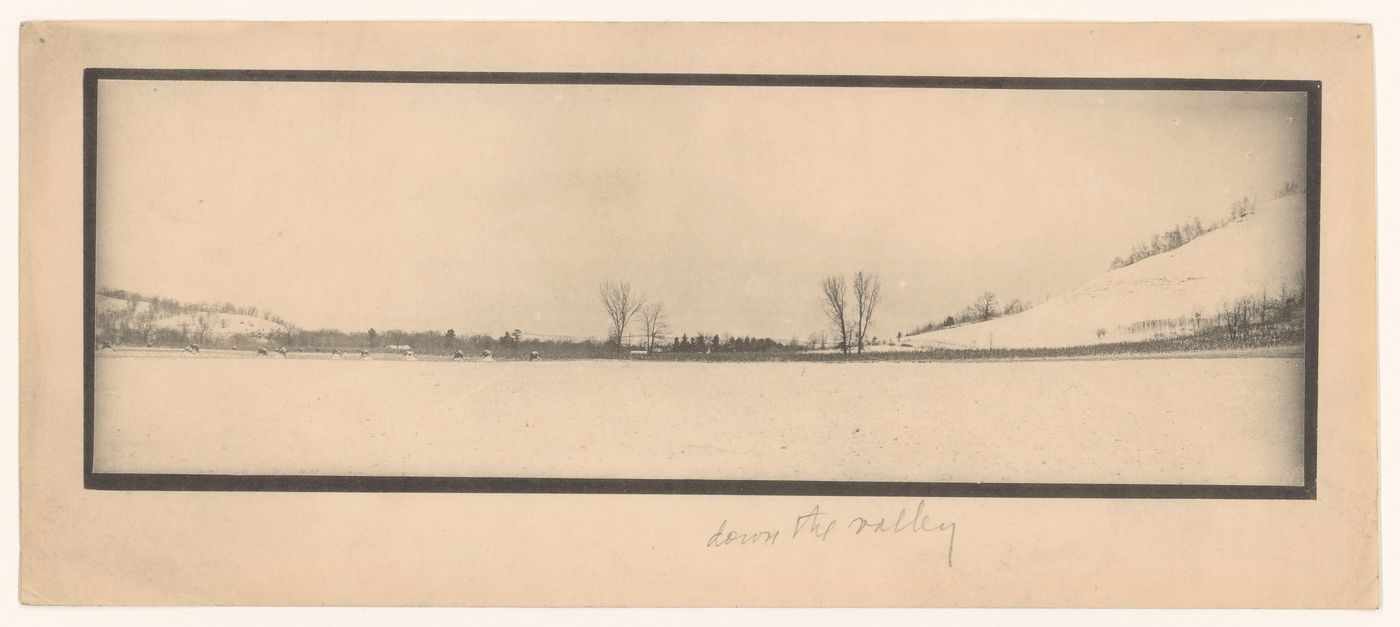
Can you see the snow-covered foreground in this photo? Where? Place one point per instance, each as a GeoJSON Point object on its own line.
{"type": "Point", "coordinates": [1255, 256]}
{"type": "Point", "coordinates": [1187, 420]}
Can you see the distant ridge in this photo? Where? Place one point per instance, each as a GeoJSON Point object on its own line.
{"type": "Point", "coordinates": [185, 326]}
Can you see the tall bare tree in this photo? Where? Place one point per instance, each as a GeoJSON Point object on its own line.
{"type": "Point", "coordinates": [654, 321]}
{"type": "Point", "coordinates": [834, 305]}
{"type": "Point", "coordinates": [622, 306]}
{"type": "Point", "coordinates": [985, 306]}
{"type": "Point", "coordinates": [867, 291]}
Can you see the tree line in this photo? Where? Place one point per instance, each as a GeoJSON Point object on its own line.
{"type": "Point", "coordinates": [1169, 240]}
{"type": "Point", "coordinates": [700, 343]}
{"type": "Point", "coordinates": [511, 343]}
{"type": "Point", "coordinates": [1181, 234]}
{"type": "Point", "coordinates": [624, 307]}
{"type": "Point", "coordinates": [983, 308]}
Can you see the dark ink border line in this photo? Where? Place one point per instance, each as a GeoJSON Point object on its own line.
{"type": "Point", "coordinates": [430, 484]}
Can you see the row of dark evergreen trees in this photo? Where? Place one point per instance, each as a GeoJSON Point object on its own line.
{"type": "Point", "coordinates": [699, 343]}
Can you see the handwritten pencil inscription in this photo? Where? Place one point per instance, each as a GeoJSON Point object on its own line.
{"type": "Point", "coordinates": [818, 525]}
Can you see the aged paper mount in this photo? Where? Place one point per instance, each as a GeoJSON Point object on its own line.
{"type": "Point", "coordinates": [935, 315]}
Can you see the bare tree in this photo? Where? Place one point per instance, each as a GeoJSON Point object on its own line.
{"type": "Point", "coordinates": [834, 305]}
{"type": "Point", "coordinates": [654, 321]}
{"type": "Point", "coordinates": [1235, 318]}
{"type": "Point", "coordinates": [985, 306]}
{"type": "Point", "coordinates": [621, 305]}
{"type": "Point", "coordinates": [867, 291]}
{"type": "Point", "coordinates": [202, 325]}
{"type": "Point", "coordinates": [146, 324]}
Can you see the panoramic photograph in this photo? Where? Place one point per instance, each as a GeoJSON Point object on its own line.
{"type": "Point", "coordinates": [700, 282]}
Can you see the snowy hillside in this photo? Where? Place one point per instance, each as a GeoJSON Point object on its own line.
{"type": "Point", "coordinates": [219, 324]}
{"type": "Point", "coordinates": [1257, 255]}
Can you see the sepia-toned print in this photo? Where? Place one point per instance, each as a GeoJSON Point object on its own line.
{"type": "Point", "coordinates": [701, 283]}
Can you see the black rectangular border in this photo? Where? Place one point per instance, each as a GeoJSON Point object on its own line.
{"type": "Point", "coordinates": [428, 484]}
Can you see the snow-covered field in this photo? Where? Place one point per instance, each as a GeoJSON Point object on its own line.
{"type": "Point", "coordinates": [1177, 420]}
{"type": "Point", "coordinates": [1257, 255]}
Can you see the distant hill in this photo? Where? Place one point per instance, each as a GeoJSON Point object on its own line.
{"type": "Point", "coordinates": [136, 319]}
{"type": "Point", "coordinates": [1258, 256]}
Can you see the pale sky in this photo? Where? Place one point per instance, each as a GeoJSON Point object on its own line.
{"type": "Point", "coordinates": [484, 208]}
